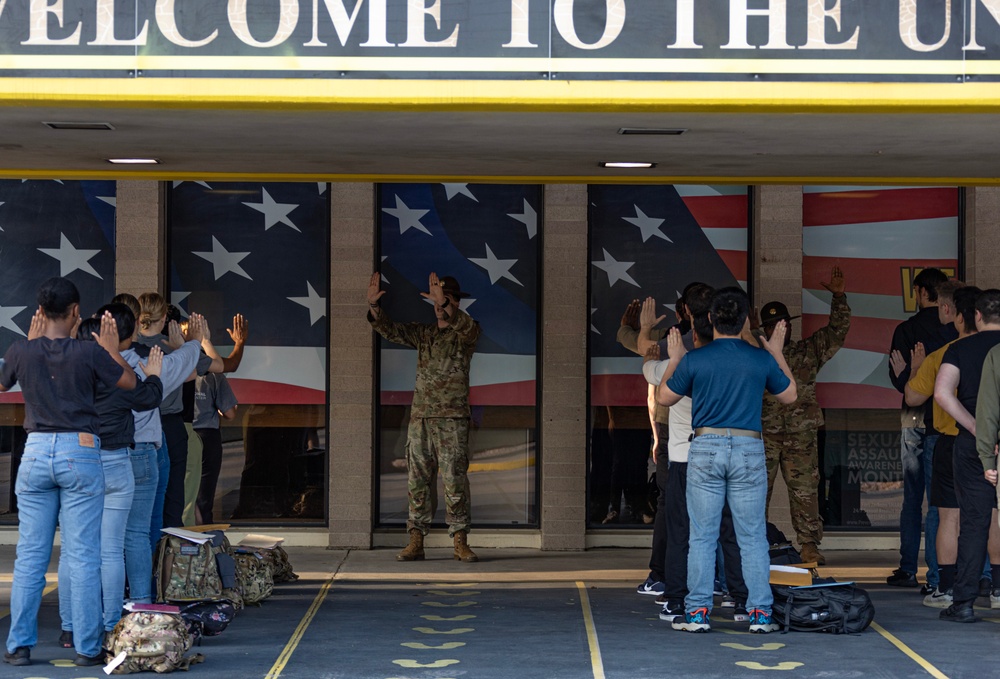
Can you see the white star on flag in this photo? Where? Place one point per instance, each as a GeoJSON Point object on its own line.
{"type": "Point", "coordinates": [409, 218]}
{"type": "Point", "coordinates": [7, 314]}
{"type": "Point", "coordinates": [71, 259]}
{"type": "Point", "coordinates": [110, 200]}
{"type": "Point", "coordinates": [224, 261]}
{"type": "Point", "coordinates": [496, 268]}
{"type": "Point", "coordinates": [617, 271]}
{"type": "Point", "coordinates": [592, 328]}
{"type": "Point", "coordinates": [313, 302]}
{"type": "Point", "coordinates": [322, 186]}
{"type": "Point", "coordinates": [452, 190]}
{"type": "Point", "coordinates": [176, 298]}
{"type": "Point", "coordinates": [529, 218]}
{"type": "Point", "coordinates": [649, 226]}
{"type": "Point", "coordinates": [673, 307]}
{"type": "Point", "coordinates": [274, 212]}
{"type": "Point", "coordinates": [382, 275]}
{"type": "Point", "coordinates": [205, 184]}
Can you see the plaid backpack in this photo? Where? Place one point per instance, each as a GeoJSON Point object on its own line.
{"type": "Point", "coordinates": [152, 641]}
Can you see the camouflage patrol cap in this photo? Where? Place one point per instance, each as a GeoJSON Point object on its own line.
{"type": "Point", "coordinates": [774, 312]}
{"type": "Point", "coordinates": [451, 287]}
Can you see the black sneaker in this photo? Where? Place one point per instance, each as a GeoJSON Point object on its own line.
{"type": "Point", "coordinates": [88, 661]}
{"type": "Point", "coordinates": [740, 612]}
{"type": "Point", "coordinates": [20, 657]}
{"type": "Point", "coordinates": [671, 610]}
{"type": "Point", "coordinates": [926, 589]}
{"type": "Point", "coordinates": [901, 578]}
{"type": "Point", "coordinates": [985, 586]}
{"type": "Point", "coordinates": [959, 613]}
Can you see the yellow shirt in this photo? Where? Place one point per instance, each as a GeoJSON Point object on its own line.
{"type": "Point", "coordinates": [923, 384]}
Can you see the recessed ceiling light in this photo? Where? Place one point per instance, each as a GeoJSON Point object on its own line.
{"type": "Point", "coordinates": [134, 161]}
{"type": "Point", "coordinates": [78, 126]}
{"type": "Point", "coordinates": [661, 131]}
{"type": "Point", "coordinates": [628, 165]}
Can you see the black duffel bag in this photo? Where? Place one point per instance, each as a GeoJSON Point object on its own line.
{"type": "Point", "coordinates": [836, 608]}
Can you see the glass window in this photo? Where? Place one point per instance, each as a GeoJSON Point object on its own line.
{"type": "Point", "coordinates": [261, 250]}
{"type": "Point", "coordinates": [486, 236]}
{"type": "Point", "coordinates": [881, 237]}
{"type": "Point", "coordinates": [47, 228]}
{"type": "Point", "coordinates": [646, 241]}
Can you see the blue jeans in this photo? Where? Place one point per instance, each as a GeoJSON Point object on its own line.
{"type": "Point", "coordinates": [138, 558]}
{"type": "Point", "coordinates": [732, 468]}
{"type": "Point", "coordinates": [118, 488]}
{"type": "Point", "coordinates": [163, 475]}
{"type": "Point", "coordinates": [916, 454]}
{"type": "Point", "coordinates": [60, 475]}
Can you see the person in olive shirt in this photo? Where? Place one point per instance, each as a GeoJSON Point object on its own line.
{"type": "Point", "coordinates": [438, 434]}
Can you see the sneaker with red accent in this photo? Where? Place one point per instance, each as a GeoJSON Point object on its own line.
{"type": "Point", "coordinates": [761, 622]}
{"type": "Point", "coordinates": [693, 621]}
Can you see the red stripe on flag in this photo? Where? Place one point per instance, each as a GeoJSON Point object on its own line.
{"type": "Point", "coordinates": [863, 206]}
{"type": "Point", "coordinates": [718, 212]}
{"type": "Point", "coordinates": [618, 390]}
{"type": "Point", "coordinates": [736, 261]}
{"type": "Point", "coordinates": [853, 396]}
{"type": "Point", "coordinates": [870, 276]}
{"type": "Point", "coordinates": [866, 334]}
{"type": "Point", "coordinates": [16, 397]}
{"type": "Point", "coordinates": [259, 391]}
{"type": "Point", "coordinates": [506, 394]}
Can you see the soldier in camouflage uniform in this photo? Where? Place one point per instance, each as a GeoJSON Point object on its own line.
{"type": "Point", "coordinates": [438, 435]}
{"type": "Point", "coordinates": [790, 430]}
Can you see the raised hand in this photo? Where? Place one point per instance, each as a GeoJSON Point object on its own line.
{"type": "Point", "coordinates": [374, 288]}
{"type": "Point", "coordinates": [777, 340]}
{"type": "Point", "coordinates": [897, 362]}
{"type": "Point", "coordinates": [652, 353]}
{"type": "Point", "coordinates": [837, 285]}
{"type": "Point", "coordinates": [648, 317]}
{"type": "Point", "coordinates": [154, 363]}
{"type": "Point", "coordinates": [917, 356]}
{"type": "Point", "coordinates": [175, 338]}
{"type": "Point", "coordinates": [38, 323]}
{"type": "Point", "coordinates": [238, 333]}
{"type": "Point", "coordinates": [675, 345]}
{"type": "Point", "coordinates": [631, 316]}
{"type": "Point", "coordinates": [108, 337]}
{"type": "Point", "coordinates": [197, 328]}
{"type": "Point", "coordinates": [435, 292]}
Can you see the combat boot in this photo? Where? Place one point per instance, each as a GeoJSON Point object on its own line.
{"type": "Point", "coordinates": [415, 550]}
{"type": "Point", "coordinates": [810, 554]}
{"type": "Point", "coordinates": [462, 551]}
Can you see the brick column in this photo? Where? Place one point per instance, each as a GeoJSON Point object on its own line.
{"type": "Point", "coordinates": [982, 248]}
{"type": "Point", "coordinates": [564, 368]}
{"type": "Point", "coordinates": [352, 387]}
{"type": "Point", "coordinates": [140, 228]}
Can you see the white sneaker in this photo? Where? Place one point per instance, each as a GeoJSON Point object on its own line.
{"type": "Point", "coordinates": [939, 599]}
{"type": "Point", "coordinates": [995, 599]}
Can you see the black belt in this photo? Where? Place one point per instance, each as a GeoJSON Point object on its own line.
{"type": "Point", "coordinates": [749, 433]}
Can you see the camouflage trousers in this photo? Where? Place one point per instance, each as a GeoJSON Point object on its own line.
{"type": "Point", "coordinates": [797, 455]}
{"type": "Point", "coordinates": [434, 443]}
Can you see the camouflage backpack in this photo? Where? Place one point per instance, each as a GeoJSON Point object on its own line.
{"type": "Point", "coordinates": [276, 559]}
{"type": "Point", "coordinates": [256, 583]}
{"type": "Point", "coordinates": [151, 641]}
{"type": "Point", "coordinates": [186, 571]}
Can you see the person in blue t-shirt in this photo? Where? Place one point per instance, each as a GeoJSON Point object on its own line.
{"type": "Point", "coordinates": [726, 381]}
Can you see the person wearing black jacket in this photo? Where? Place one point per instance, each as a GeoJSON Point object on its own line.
{"type": "Point", "coordinates": [117, 434]}
{"type": "Point", "coordinates": [918, 435]}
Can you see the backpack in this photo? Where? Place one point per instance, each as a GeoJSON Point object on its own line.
{"type": "Point", "coordinates": [834, 607]}
{"type": "Point", "coordinates": [208, 618]}
{"type": "Point", "coordinates": [151, 641]}
{"type": "Point", "coordinates": [256, 582]}
{"type": "Point", "coordinates": [186, 571]}
{"type": "Point", "coordinates": [276, 559]}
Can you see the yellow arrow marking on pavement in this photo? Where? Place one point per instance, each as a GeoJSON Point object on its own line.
{"type": "Point", "coordinates": [457, 604]}
{"type": "Point", "coordinates": [732, 631]}
{"type": "Point", "coordinates": [441, 618]}
{"type": "Point", "coordinates": [443, 647]}
{"type": "Point", "coordinates": [431, 630]}
{"type": "Point", "coordinates": [62, 662]}
{"type": "Point", "coordinates": [762, 647]}
{"type": "Point", "coordinates": [779, 666]}
{"type": "Point", "coordinates": [413, 664]}
{"type": "Point", "coordinates": [438, 592]}
{"type": "Point", "coordinates": [448, 646]}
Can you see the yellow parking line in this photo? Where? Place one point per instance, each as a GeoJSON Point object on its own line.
{"type": "Point", "coordinates": [588, 620]}
{"type": "Point", "coordinates": [933, 671]}
{"type": "Point", "coordinates": [293, 642]}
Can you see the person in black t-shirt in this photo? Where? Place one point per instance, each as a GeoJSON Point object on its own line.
{"type": "Point", "coordinates": [60, 476]}
{"type": "Point", "coordinates": [961, 370]}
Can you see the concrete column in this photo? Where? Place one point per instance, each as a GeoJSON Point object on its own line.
{"type": "Point", "coordinates": [982, 236]}
{"type": "Point", "coordinates": [564, 368]}
{"type": "Point", "coordinates": [140, 227]}
{"type": "Point", "coordinates": [352, 388]}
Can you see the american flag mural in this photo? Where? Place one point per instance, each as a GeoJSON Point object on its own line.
{"type": "Point", "coordinates": [260, 250]}
{"type": "Point", "coordinates": [881, 237]}
{"type": "Point", "coordinates": [487, 237]}
{"type": "Point", "coordinates": [654, 241]}
{"type": "Point", "coordinates": [53, 228]}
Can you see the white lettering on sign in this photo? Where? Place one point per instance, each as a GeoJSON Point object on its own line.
{"type": "Point", "coordinates": [614, 23]}
{"type": "Point", "coordinates": [776, 25]}
{"type": "Point", "coordinates": [993, 7]}
{"type": "Point", "coordinates": [416, 25]}
{"type": "Point", "coordinates": [343, 24]}
{"type": "Point", "coordinates": [908, 26]}
{"type": "Point", "coordinates": [166, 21]}
{"type": "Point", "coordinates": [287, 20]}
{"type": "Point", "coordinates": [38, 30]}
{"type": "Point", "coordinates": [816, 29]}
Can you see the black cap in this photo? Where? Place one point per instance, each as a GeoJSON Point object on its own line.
{"type": "Point", "coordinates": [451, 287]}
{"type": "Point", "coordinates": [774, 312]}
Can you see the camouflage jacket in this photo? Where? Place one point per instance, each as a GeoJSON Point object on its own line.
{"type": "Point", "coordinates": [805, 357]}
{"type": "Point", "coordinates": [443, 359]}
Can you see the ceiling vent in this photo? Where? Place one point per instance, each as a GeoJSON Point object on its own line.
{"type": "Point", "coordinates": [79, 126]}
{"type": "Point", "coordinates": [653, 131]}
